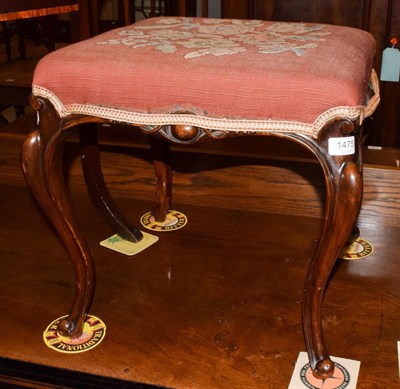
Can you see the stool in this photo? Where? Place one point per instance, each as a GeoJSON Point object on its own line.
{"type": "Point", "coordinates": [183, 80]}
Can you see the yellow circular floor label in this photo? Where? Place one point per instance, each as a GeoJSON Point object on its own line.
{"type": "Point", "coordinates": [359, 249]}
{"type": "Point", "coordinates": [94, 331]}
{"type": "Point", "coordinates": [173, 221]}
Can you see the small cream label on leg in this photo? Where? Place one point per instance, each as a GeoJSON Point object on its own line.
{"type": "Point", "coordinates": [345, 375]}
{"type": "Point", "coordinates": [123, 246]}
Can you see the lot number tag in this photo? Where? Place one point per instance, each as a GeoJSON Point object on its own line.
{"type": "Point", "coordinates": [341, 146]}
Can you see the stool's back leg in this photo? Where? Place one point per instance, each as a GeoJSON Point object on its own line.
{"type": "Point", "coordinates": [162, 169]}
{"type": "Point", "coordinates": [97, 188]}
{"type": "Point", "coordinates": [42, 163]}
{"type": "Point", "coordinates": [344, 186]}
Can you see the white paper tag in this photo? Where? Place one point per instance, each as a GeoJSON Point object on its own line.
{"type": "Point", "coordinates": [341, 146]}
{"type": "Point", "coordinates": [344, 376]}
{"type": "Point", "coordinates": [390, 70]}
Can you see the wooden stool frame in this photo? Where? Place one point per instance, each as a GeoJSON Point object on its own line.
{"type": "Point", "coordinates": [42, 156]}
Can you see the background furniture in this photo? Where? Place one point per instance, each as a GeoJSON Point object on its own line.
{"type": "Point", "coordinates": [23, 9]}
{"type": "Point", "coordinates": [15, 88]}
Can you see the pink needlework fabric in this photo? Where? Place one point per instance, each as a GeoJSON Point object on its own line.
{"type": "Point", "coordinates": [228, 74]}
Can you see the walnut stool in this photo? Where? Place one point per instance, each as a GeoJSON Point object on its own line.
{"type": "Point", "coordinates": [183, 80]}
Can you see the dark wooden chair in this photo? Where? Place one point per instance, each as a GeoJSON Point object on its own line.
{"type": "Point", "coordinates": [184, 5]}
{"type": "Point", "coordinates": [309, 83]}
{"type": "Point", "coordinates": [17, 94]}
{"type": "Point", "coordinates": [19, 10]}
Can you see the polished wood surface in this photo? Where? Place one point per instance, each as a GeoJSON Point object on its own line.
{"type": "Point", "coordinates": [23, 9]}
{"type": "Point", "coordinates": [216, 313]}
{"type": "Point", "coordinates": [23, 5]}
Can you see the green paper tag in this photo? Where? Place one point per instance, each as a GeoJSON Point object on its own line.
{"type": "Point", "coordinates": [123, 246]}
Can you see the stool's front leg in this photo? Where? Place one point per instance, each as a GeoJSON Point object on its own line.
{"type": "Point", "coordinates": [42, 163]}
{"type": "Point", "coordinates": [344, 186]}
{"type": "Point", "coordinates": [97, 188]}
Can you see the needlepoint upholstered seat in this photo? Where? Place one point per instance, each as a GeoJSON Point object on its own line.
{"type": "Point", "coordinates": [185, 79]}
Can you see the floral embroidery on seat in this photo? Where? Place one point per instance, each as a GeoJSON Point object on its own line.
{"type": "Point", "coordinates": [220, 36]}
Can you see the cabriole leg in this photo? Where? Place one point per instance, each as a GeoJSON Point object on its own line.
{"type": "Point", "coordinates": [97, 188]}
{"type": "Point", "coordinates": [42, 163]}
{"type": "Point", "coordinates": [344, 186]}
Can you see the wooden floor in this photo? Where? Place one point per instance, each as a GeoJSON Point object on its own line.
{"type": "Point", "coordinates": [213, 305]}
